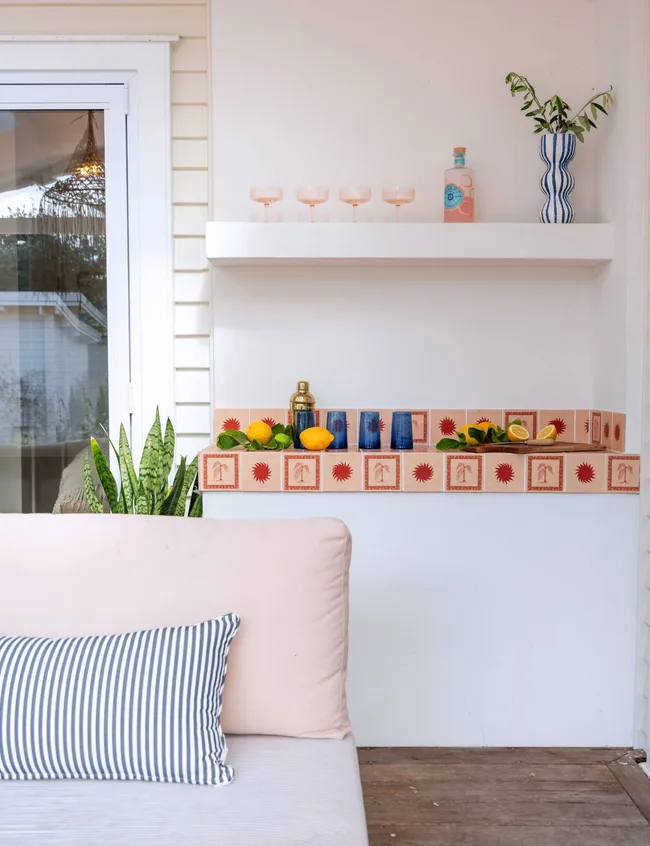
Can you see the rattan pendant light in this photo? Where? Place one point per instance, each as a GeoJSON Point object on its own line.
{"type": "Point", "coordinates": [76, 203]}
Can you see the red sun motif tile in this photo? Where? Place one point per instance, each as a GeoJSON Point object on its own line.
{"type": "Point", "coordinates": [423, 471]}
{"type": "Point", "coordinates": [382, 472]}
{"type": "Point", "coordinates": [504, 473]}
{"type": "Point", "coordinates": [271, 416]}
{"type": "Point", "coordinates": [463, 472]}
{"type": "Point", "coordinates": [341, 470]}
{"type": "Point", "coordinates": [230, 418]}
{"type": "Point", "coordinates": [219, 471]}
{"type": "Point", "coordinates": [528, 420]}
{"type": "Point", "coordinates": [606, 429]}
{"type": "Point", "coordinates": [420, 425]}
{"type": "Point", "coordinates": [302, 471]}
{"type": "Point", "coordinates": [261, 471]}
{"type": "Point", "coordinates": [618, 431]}
{"type": "Point", "coordinates": [545, 473]}
{"type": "Point", "coordinates": [445, 423]}
{"type": "Point", "coordinates": [596, 427]}
{"type": "Point", "coordinates": [585, 472]}
{"type": "Point", "coordinates": [483, 415]}
{"type": "Point", "coordinates": [623, 473]}
{"type": "Point", "coordinates": [583, 426]}
{"type": "Point", "coordinates": [563, 420]}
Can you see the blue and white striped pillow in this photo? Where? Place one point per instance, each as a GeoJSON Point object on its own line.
{"type": "Point", "coordinates": [143, 706]}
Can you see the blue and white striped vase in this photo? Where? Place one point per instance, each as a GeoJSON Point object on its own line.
{"type": "Point", "coordinates": [557, 152]}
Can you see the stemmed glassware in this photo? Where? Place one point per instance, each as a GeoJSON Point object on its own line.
{"type": "Point", "coordinates": [398, 196]}
{"type": "Point", "coordinates": [312, 195]}
{"type": "Point", "coordinates": [354, 196]}
{"type": "Point", "coordinates": [267, 196]}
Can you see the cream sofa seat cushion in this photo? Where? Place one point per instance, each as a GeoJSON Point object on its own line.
{"type": "Point", "coordinates": [83, 574]}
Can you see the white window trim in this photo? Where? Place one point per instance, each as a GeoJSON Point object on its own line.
{"type": "Point", "coordinates": [143, 66]}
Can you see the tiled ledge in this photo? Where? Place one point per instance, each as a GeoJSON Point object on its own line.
{"type": "Point", "coordinates": [583, 426]}
{"type": "Point", "coordinates": [421, 470]}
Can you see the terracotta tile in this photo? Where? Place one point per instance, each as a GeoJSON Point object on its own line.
{"type": "Point", "coordinates": [618, 431]}
{"type": "Point", "coordinates": [261, 471]}
{"type": "Point", "coordinates": [382, 471]}
{"type": "Point", "coordinates": [317, 417]}
{"type": "Point", "coordinates": [528, 420]}
{"type": "Point", "coordinates": [269, 415]}
{"type": "Point", "coordinates": [595, 427]}
{"type": "Point", "coordinates": [352, 419]}
{"type": "Point", "coordinates": [219, 471]}
{"type": "Point", "coordinates": [342, 470]}
{"type": "Point", "coordinates": [463, 472]}
{"type": "Point", "coordinates": [623, 473]}
{"type": "Point", "coordinates": [583, 427]}
{"type": "Point", "coordinates": [385, 422]}
{"type": "Point", "coordinates": [230, 418]}
{"type": "Point", "coordinates": [423, 471]}
{"type": "Point", "coordinates": [564, 421]}
{"type": "Point", "coordinates": [545, 473]}
{"type": "Point", "coordinates": [445, 423]}
{"type": "Point", "coordinates": [606, 429]}
{"type": "Point", "coordinates": [504, 473]}
{"type": "Point", "coordinates": [478, 415]}
{"type": "Point", "coordinates": [302, 471]}
{"type": "Point", "coordinates": [421, 428]}
{"type": "Point", "coordinates": [585, 472]}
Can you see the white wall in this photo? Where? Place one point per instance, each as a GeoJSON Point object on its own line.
{"type": "Point", "coordinates": [191, 185]}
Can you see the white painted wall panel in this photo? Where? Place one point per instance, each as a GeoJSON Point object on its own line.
{"type": "Point", "coordinates": [192, 319]}
{"type": "Point", "coordinates": [189, 88]}
{"type": "Point", "coordinates": [190, 220]}
{"type": "Point", "coordinates": [194, 419]}
{"type": "Point", "coordinates": [190, 153]}
{"type": "Point", "coordinates": [190, 121]}
{"type": "Point", "coordinates": [191, 186]}
{"type": "Point", "coordinates": [100, 19]}
{"type": "Point", "coordinates": [189, 254]}
{"type": "Point", "coordinates": [192, 352]}
{"type": "Point", "coordinates": [193, 287]}
{"type": "Point", "coordinates": [190, 54]}
{"type": "Point", "coordinates": [192, 386]}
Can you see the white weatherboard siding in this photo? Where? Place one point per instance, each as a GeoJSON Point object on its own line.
{"type": "Point", "coordinates": [191, 185]}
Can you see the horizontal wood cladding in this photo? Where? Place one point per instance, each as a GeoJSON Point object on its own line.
{"type": "Point", "coordinates": [104, 19]}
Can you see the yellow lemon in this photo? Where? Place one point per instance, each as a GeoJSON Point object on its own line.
{"type": "Point", "coordinates": [517, 433]}
{"type": "Point", "coordinates": [316, 438]}
{"type": "Point", "coordinates": [259, 431]}
{"type": "Point", "coordinates": [547, 433]}
{"type": "Point", "coordinates": [465, 431]}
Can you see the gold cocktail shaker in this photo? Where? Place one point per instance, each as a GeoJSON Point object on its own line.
{"type": "Point", "coordinates": [302, 400]}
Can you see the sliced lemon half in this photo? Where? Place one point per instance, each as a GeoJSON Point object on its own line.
{"type": "Point", "coordinates": [548, 433]}
{"type": "Point", "coordinates": [517, 433]}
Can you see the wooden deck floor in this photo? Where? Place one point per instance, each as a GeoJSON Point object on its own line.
{"type": "Point", "coordinates": [505, 797]}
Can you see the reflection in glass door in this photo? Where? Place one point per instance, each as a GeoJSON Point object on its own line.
{"type": "Point", "coordinates": [57, 327]}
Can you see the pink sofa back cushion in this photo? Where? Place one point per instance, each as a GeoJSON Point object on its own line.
{"type": "Point", "coordinates": [84, 574]}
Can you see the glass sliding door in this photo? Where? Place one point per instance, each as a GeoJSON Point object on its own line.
{"type": "Point", "coordinates": [64, 333]}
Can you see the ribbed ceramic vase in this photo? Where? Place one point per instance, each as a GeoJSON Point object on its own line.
{"type": "Point", "coordinates": [557, 152]}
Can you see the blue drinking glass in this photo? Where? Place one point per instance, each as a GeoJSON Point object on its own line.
{"type": "Point", "coordinates": [369, 431]}
{"type": "Point", "coordinates": [337, 424]}
{"type": "Point", "coordinates": [401, 433]}
{"type": "Point", "coordinates": [302, 420]}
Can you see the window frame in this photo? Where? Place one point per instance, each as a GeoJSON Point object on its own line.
{"type": "Point", "coordinates": [142, 67]}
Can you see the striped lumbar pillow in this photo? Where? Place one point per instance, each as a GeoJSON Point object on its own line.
{"type": "Point", "coordinates": [140, 706]}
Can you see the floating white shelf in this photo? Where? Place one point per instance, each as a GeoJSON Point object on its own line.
{"type": "Point", "coordinates": [242, 244]}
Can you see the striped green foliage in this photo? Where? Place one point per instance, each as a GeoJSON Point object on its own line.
{"type": "Point", "coordinates": [89, 488]}
{"type": "Point", "coordinates": [148, 491]}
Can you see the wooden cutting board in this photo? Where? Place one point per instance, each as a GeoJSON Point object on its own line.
{"type": "Point", "coordinates": [519, 449]}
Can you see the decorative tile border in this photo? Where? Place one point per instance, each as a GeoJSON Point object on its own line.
{"type": "Point", "coordinates": [588, 426]}
{"type": "Point", "coordinates": [421, 470]}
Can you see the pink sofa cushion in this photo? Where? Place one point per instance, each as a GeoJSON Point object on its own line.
{"type": "Point", "coordinates": [88, 574]}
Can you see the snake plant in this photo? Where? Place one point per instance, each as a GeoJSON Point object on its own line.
{"type": "Point", "coordinates": [148, 491]}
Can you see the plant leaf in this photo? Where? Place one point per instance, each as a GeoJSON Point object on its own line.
{"type": "Point", "coordinates": [188, 480]}
{"type": "Point", "coordinates": [196, 509]}
{"type": "Point", "coordinates": [449, 443]}
{"type": "Point", "coordinates": [170, 502]}
{"type": "Point", "coordinates": [125, 455]}
{"type": "Point", "coordinates": [169, 445]}
{"type": "Point", "coordinates": [142, 501]}
{"type": "Point", "coordinates": [477, 434]}
{"type": "Point", "coordinates": [237, 436]}
{"type": "Point", "coordinates": [89, 489]}
{"type": "Point", "coordinates": [105, 476]}
{"type": "Point", "coordinates": [224, 441]}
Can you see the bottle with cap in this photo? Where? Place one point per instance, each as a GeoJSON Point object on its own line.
{"type": "Point", "coordinates": [302, 400]}
{"type": "Point", "coordinates": [459, 190]}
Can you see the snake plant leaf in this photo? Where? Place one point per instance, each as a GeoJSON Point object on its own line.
{"type": "Point", "coordinates": [89, 488]}
{"type": "Point", "coordinates": [121, 503]}
{"type": "Point", "coordinates": [172, 498]}
{"type": "Point", "coordinates": [169, 445]}
{"type": "Point", "coordinates": [148, 473]}
{"type": "Point", "coordinates": [126, 459]}
{"type": "Point", "coordinates": [196, 510]}
{"type": "Point", "coordinates": [188, 480]}
{"type": "Point", "coordinates": [142, 501]}
{"type": "Point", "coordinates": [105, 476]}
